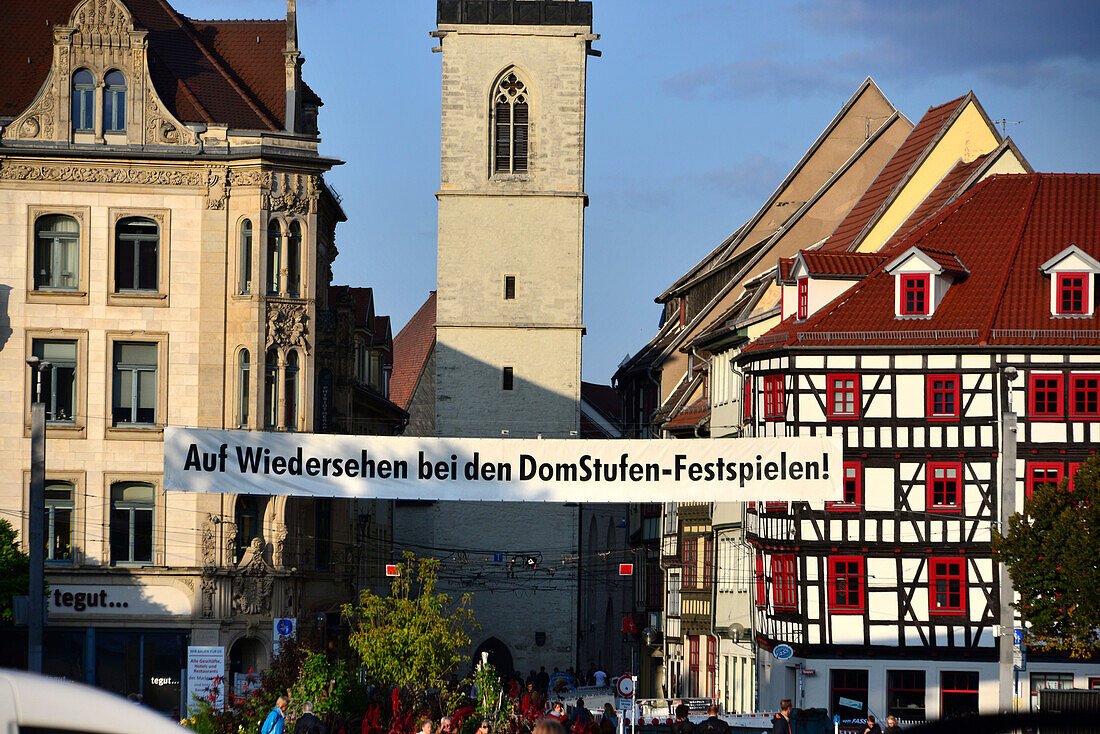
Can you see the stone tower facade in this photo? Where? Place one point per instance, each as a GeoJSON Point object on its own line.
{"type": "Point", "coordinates": [508, 327]}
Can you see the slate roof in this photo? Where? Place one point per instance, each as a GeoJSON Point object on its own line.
{"type": "Point", "coordinates": [894, 175]}
{"type": "Point", "coordinates": [411, 348]}
{"type": "Point", "coordinates": [1003, 230]}
{"type": "Point", "coordinates": [204, 71]}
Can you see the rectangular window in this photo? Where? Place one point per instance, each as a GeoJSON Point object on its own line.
{"type": "Point", "coordinates": [773, 507]}
{"type": "Point", "coordinates": [507, 379]}
{"type": "Point", "coordinates": [849, 698]}
{"type": "Point", "coordinates": [322, 534]}
{"type": "Point", "coordinates": [134, 394]}
{"type": "Point", "coordinates": [1046, 396]}
{"type": "Point", "coordinates": [131, 522]}
{"type": "Point", "coordinates": [761, 583]}
{"type": "Point", "coordinates": [1050, 682]}
{"type": "Point", "coordinates": [693, 665]}
{"type": "Point", "coordinates": [958, 694]}
{"type": "Point", "coordinates": [652, 584]}
{"type": "Point", "coordinates": [708, 565]}
{"type": "Point", "coordinates": [1084, 396]}
{"type": "Point", "coordinates": [947, 585]}
{"type": "Point", "coordinates": [843, 396]}
{"type": "Point", "coordinates": [944, 487]}
{"type": "Point", "coordinates": [59, 521]}
{"type": "Point", "coordinates": [783, 582]}
{"type": "Point", "coordinates": [847, 588]}
{"type": "Point", "coordinates": [712, 666]}
{"type": "Point", "coordinates": [746, 399]}
{"type": "Point", "coordinates": [136, 243]}
{"type": "Point", "coordinates": [943, 396]}
{"type": "Point", "coordinates": [914, 294]}
{"type": "Point", "coordinates": [905, 694]}
{"type": "Point", "coordinates": [1073, 293]}
{"type": "Point", "coordinates": [58, 384]}
{"type": "Point", "coordinates": [1040, 473]}
{"type": "Point", "coordinates": [853, 488]}
{"type": "Point", "coordinates": [509, 287]}
{"type": "Point", "coordinates": [774, 404]}
{"type": "Point", "coordinates": [691, 550]}
{"type": "Point", "coordinates": [803, 298]}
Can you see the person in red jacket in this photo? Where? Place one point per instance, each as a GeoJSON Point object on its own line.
{"type": "Point", "coordinates": [781, 723]}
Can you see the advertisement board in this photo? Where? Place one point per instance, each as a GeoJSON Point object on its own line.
{"type": "Point", "coordinates": [491, 469]}
{"type": "Point", "coordinates": [205, 673]}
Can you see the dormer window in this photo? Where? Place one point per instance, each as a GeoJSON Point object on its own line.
{"type": "Point", "coordinates": [1073, 293]}
{"type": "Point", "coordinates": [1072, 274]}
{"type": "Point", "coordinates": [803, 298]}
{"type": "Point", "coordinates": [915, 294]}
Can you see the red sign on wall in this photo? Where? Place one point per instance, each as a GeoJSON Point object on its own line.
{"type": "Point", "coordinates": [391, 570]}
{"type": "Point", "coordinates": [626, 569]}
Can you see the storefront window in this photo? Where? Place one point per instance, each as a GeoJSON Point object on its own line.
{"type": "Point", "coordinates": [145, 663]}
{"type": "Point", "coordinates": [905, 694]}
{"type": "Point", "coordinates": [849, 698]}
{"type": "Point", "coordinates": [959, 694]}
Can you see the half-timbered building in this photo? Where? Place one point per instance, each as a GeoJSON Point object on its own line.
{"type": "Point", "coordinates": [972, 337]}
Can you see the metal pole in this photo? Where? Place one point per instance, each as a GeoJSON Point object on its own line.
{"type": "Point", "coordinates": [36, 520]}
{"type": "Point", "coordinates": [1007, 496]}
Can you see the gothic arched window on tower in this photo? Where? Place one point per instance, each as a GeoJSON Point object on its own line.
{"type": "Point", "coordinates": [510, 115]}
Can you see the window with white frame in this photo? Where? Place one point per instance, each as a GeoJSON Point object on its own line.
{"type": "Point", "coordinates": [134, 394]}
{"type": "Point", "coordinates": [56, 253]}
{"type": "Point", "coordinates": [59, 384]}
{"type": "Point", "coordinates": [114, 102]}
{"type": "Point", "coordinates": [131, 522]}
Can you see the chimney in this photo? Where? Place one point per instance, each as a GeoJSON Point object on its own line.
{"type": "Point", "coordinates": [293, 70]}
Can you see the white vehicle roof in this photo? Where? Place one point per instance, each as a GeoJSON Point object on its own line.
{"type": "Point", "coordinates": [28, 700]}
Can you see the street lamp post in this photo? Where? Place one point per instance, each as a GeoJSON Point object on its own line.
{"type": "Point", "coordinates": [36, 520]}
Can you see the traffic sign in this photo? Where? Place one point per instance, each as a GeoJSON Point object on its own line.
{"type": "Point", "coordinates": [626, 569]}
{"type": "Point", "coordinates": [625, 685]}
{"type": "Point", "coordinates": [391, 569]}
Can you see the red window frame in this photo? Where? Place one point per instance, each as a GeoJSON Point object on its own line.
{"type": "Point", "coordinates": [1094, 683]}
{"type": "Point", "coordinates": [775, 406]}
{"type": "Point", "coordinates": [840, 378]}
{"type": "Point", "coordinates": [944, 395]}
{"type": "Point", "coordinates": [916, 294]}
{"type": "Point", "coordinates": [746, 399]}
{"type": "Point", "coordinates": [847, 584]}
{"type": "Point", "coordinates": [1073, 294]}
{"type": "Point", "coordinates": [708, 567]}
{"type": "Point", "coordinates": [1046, 393]}
{"type": "Point", "coordinates": [712, 665]}
{"type": "Point", "coordinates": [1072, 473]}
{"type": "Point", "coordinates": [941, 496]}
{"type": "Point", "coordinates": [775, 506]}
{"type": "Point", "coordinates": [693, 664]}
{"type": "Point", "coordinates": [784, 576]}
{"type": "Point", "coordinates": [803, 298]}
{"type": "Point", "coordinates": [947, 585]}
{"type": "Point", "coordinates": [953, 685]}
{"type": "Point", "coordinates": [688, 561]}
{"type": "Point", "coordinates": [1040, 472]}
{"type": "Point", "coordinates": [853, 489]}
{"type": "Point", "coordinates": [1084, 395]}
{"type": "Point", "coordinates": [761, 583]}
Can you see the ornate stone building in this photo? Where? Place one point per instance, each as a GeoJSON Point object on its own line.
{"type": "Point", "coordinates": [167, 240]}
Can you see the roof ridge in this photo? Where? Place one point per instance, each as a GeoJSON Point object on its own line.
{"type": "Point", "coordinates": [185, 25]}
{"type": "Point", "coordinates": [234, 20]}
{"type": "Point", "coordinates": [1010, 261]}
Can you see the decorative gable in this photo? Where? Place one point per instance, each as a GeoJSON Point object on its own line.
{"type": "Point", "coordinates": [921, 279]}
{"type": "Point", "coordinates": [1072, 274]}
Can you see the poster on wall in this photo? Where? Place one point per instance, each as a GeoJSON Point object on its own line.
{"type": "Point", "coordinates": [206, 674]}
{"type": "Point", "coordinates": [500, 469]}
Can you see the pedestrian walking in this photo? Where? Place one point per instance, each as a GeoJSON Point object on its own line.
{"type": "Point", "coordinates": [609, 724]}
{"type": "Point", "coordinates": [872, 727]}
{"type": "Point", "coordinates": [308, 723]}
{"type": "Point", "coordinates": [891, 726]}
{"type": "Point", "coordinates": [781, 722]}
{"type": "Point", "coordinates": [275, 723]}
{"type": "Point", "coordinates": [682, 724]}
{"type": "Point", "coordinates": [712, 724]}
{"type": "Point", "coordinates": [581, 715]}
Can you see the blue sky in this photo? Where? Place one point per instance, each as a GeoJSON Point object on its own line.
{"type": "Point", "coordinates": [696, 111]}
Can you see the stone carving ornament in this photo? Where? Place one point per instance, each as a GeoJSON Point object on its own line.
{"type": "Point", "coordinates": [295, 193]}
{"type": "Point", "coordinates": [252, 588]}
{"type": "Point", "coordinates": [209, 585]}
{"type": "Point", "coordinates": [286, 324]}
{"type": "Point", "coordinates": [209, 545]}
{"type": "Point", "coordinates": [95, 174]}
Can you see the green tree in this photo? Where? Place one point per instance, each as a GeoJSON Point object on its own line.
{"type": "Point", "coordinates": [415, 637]}
{"type": "Point", "coordinates": [1052, 550]}
{"type": "Point", "coordinates": [15, 568]}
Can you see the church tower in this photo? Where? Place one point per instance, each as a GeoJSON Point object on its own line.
{"type": "Point", "coordinates": [510, 273]}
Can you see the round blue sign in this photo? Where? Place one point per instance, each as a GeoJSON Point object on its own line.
{"type": "Point", "coordinates": [783, 652]}
{"type": "Point", "coordinates": [285, 627]}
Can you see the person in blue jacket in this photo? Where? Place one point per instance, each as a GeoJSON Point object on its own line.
{"type": "Point", "coordinates": [275, 722]}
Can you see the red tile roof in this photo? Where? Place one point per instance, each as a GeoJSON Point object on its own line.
{"type": "Point", "coordinates": [947, 188]}
{"type": "Point", "coordinates": [692, 415]}
{"type": "Point", "coordinates": [204, 71]}
{"type": "Point", "coordinates": [1003, 229]}
{"type": "Point", "coordinates": [850, 229]}
{"type": "Point", "coordinates": [785, 265]}
{"type": "Point", "coordinates": [411, 348]}
{"type": "Point", "coordinates": [844, 264]}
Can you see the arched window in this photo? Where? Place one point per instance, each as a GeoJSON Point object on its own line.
{"type": "Point", "coordinates": [271, 389]}
{"type": "Point", "coordinates": [274, 247]}
{"type": "Point", "coordinates": [248, 515]}
{"type": "Point", "coordinates": [246, 256]}
{"type": "Point", "coordinates": [131, 522]}
{"type": "Point", "coordinates": [136, 243]}
{"type": "Point", "coordinates": [294, 259]}
{"type": "Point", "coordinates": [83, 101]}
{"type": "Point", "coordinates": [290, 391]}
{"type": "Point", "coordinates": [56, 253]}
{"type": "Point", "coordinates": [510, 115]}
{"type": "Point", "coordinates": [243, 369]}
{"type": "Point", "coordinates": [114, 102]}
